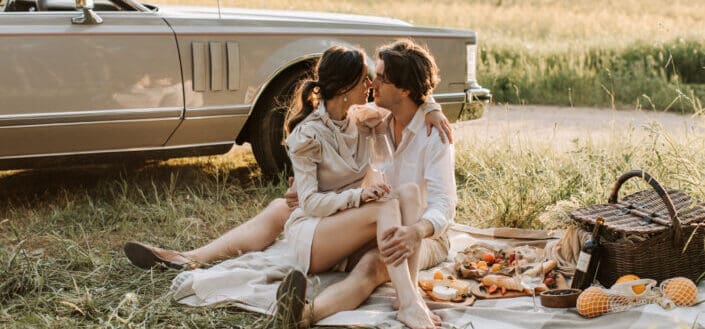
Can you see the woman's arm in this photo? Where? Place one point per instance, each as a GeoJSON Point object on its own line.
{"type": "Point", "coordinates": [434, 117]}
{"type": "Point", "coordinates": [306, 153]}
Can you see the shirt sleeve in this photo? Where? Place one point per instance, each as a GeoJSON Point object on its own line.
{"type": "Point", "coordinates": [440, 182]}
{"type": "Point", "coordinates": [305, 152]}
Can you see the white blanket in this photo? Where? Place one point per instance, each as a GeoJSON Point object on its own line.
{"type": "Point", "coordinates": [250, 282]}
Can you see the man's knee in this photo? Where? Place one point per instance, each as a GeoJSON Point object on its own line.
{"type": "Point", "coordinates": [408, 192]}
{"type": "Point", "coordinates": [377, 210]}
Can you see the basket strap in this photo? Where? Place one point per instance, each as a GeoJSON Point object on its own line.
{"type": "Point", "coordinates": [676, 227]}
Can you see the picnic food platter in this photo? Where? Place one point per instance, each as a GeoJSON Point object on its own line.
{"type": "Point", "coordinates": [483, 292]}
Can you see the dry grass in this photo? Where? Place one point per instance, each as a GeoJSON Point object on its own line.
{"type": "Point", "coordinates": [539, 25]}
{"type": "Point", "coordinates": [626, 54]}
{"type": "Point", "coordinates": [61, 231]}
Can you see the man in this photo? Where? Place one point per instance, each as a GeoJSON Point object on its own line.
{"type": "Point", "coordinates": [406, 75]}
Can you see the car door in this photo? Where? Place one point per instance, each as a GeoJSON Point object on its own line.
{"type": "Point", "coordinates": [73, 89]}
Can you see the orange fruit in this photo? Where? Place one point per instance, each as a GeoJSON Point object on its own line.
{"type": "Point", "coordinates": [638, 289]}
{"type": "Point", "coordinates": [682, 291]}
{"type": "Point", "coordinates": [488, 258]}
{"type": "Point", "coordinates": [438, 275]}
{"type": "Point", "coordinates": [496, 267]}
{"type": "Point", "coordinates": [593, 302]}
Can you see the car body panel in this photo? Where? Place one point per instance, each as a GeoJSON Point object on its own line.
{"type": "Point", "coordinates": [73, 88]}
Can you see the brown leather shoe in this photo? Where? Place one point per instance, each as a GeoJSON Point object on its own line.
{"type": "Point", "coordinates": [145, 256]}
{"type": "Point", "coordinates": [291, 300]}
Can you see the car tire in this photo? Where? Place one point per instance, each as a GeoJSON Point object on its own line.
{"type": "Point", "coordinates": [267, 137]}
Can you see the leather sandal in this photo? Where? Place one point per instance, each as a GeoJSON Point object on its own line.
{"type": "Point", "coordinates": [146, 257]}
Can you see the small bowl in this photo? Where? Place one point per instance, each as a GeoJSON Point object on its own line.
{"type": "Point", "coordinates": [560, 298]}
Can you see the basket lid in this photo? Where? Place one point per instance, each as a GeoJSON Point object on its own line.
{"type": "Point", "coordinates": [643, 213]}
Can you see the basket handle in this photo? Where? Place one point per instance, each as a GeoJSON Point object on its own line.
{"type": "Point", "coordinates": [659, 190]}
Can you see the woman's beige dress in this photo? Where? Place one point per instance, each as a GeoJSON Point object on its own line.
{"type": "Point", "coordinates": [329, 159]}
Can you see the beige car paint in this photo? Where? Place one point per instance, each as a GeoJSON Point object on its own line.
{"type": "Point", "coordinates": [72, 88]}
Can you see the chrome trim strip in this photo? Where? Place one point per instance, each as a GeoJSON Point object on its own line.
{"type": "Point", "coordinates": [137, 149]}
{"type": "Point", "coordinates": [137, 5]}
{"type": "Point", "coordinates": [89, 116]}
{"type": "Point", "coordinates": [217, 110]}
{"type": "Point", "coordinates": [87, 123]}
{"type": "Point", "coordinates": [449, 98]}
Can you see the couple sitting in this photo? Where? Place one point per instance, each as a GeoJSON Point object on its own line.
{"type": "Point", "coordinates": [375, 230]}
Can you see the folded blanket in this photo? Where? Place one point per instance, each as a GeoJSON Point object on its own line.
{"type": "Point", "coordinates": [250, 282]}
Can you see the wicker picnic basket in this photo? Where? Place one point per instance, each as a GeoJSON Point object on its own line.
{"type": "Point", "coordinates": [646, 233]}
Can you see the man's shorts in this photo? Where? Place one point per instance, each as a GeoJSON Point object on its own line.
{"type": "Point", "coordinates": [433, 251]}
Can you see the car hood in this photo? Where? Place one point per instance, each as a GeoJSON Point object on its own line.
{"type": "Point", "coordinates": [260, 15]}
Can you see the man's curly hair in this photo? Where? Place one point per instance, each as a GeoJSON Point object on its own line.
{"type": "Point", "coordinates": [410, 66]}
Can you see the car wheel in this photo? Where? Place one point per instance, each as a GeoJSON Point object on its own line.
{"type": "Point", "coordinates": [268, 134]}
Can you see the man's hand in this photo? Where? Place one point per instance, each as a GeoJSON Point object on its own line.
{"type": "Point", "coordinates": [440, 122]}
{"type": "Point", "coordinates": [399, 243]}
{"type": "Point", "coordinates": [291, 197]}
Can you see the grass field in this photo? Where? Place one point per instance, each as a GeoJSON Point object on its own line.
{"type": "Point", "coordinates": [622, 54]}
{"type": "Point", "coordinates": [61, 231]}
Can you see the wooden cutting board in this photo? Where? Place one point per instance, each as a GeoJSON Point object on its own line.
{"type": "Point", "coordinates": [480, 291]}
{"type": "Point", "coordinates": [464, 301]}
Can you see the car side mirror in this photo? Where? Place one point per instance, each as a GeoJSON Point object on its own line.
{"type": "Point", "coordinates": [89, 17]}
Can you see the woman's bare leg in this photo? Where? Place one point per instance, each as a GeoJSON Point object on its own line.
{"type": "Point", "coordinates": [255, 234]}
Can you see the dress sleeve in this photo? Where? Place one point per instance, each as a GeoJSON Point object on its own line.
{"type": "Point", "coordinates": [430, 105]}
{"type": "Point", "coordinates": [305, 151]}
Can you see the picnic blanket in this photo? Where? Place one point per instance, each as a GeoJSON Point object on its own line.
{"type": "Point", "coordinates": [255, 291]}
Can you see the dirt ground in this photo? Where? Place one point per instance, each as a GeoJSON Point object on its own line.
{"type": "Point", "coordinates": [562, 125]}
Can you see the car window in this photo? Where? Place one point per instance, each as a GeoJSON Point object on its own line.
{"type": "Point", "coordinates": [61, 5]}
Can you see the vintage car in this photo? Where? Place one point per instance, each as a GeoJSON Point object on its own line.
{"type": "Point", "coordinates": [116, 80]}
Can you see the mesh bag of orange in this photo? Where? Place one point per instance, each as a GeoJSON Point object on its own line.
{"type": "Point", "coordinates": [597, 300]}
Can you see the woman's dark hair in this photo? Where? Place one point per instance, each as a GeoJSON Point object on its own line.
{"type": "Point", "coordinates": [337, 72]}
{"type": "Point", "coordinates": [410, 66]}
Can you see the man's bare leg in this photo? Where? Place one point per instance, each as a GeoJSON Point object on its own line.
{"type": "Point", "coordinates": [410, 205]}
{"type": "Point", "coordinates": [255, 234]}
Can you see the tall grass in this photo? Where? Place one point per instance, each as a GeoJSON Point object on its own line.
{"type": "Point", "coordinates": [621, 54]}
{"type": "Point", "coordinates": [61, 231]}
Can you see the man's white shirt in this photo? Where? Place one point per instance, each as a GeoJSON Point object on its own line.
{"type": "Point", "coordinates": [429, 163]}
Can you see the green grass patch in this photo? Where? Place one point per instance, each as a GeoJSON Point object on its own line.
{"type": "Point", "coordinates": [666, 76]}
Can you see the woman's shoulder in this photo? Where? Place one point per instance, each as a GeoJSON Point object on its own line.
{"type": "Point", "coordinates": [305, 138]}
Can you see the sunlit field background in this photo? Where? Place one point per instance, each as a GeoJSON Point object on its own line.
{"type": "Point", "coordinates": [625, 54]}
{"type": "Point", "coordinates": [61, 230]}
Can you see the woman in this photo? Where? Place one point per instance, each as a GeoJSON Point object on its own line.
{"type": "Point", "coordinates": [336, 218]}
